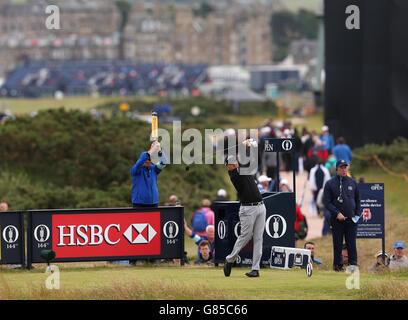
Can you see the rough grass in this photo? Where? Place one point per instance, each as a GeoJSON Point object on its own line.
{"type": "Point", "coordinates": [394, 286]}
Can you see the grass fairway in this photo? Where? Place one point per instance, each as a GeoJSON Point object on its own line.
{"type": "Point", "coordinates": [172, 282]}
{"type": "Point", "coordinates": [22, 106]}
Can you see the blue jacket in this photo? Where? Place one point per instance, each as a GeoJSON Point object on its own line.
{"type": "Point", "coordinates": [350, 194]}
{"type": "Point", "coordinates": [327, 142]}
{"type": "Point", "coordinates": [144, 182]}
{"type": "Point", "coordinates": [343, 152]}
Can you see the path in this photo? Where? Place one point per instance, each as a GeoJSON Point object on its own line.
{"type": "Point", "coordinates": [315, 223]}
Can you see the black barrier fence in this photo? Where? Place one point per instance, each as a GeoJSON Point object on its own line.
{"type": "Point", "coordinates": [279, 227]}
{"type": "Point", "coordinates": [12, 243]}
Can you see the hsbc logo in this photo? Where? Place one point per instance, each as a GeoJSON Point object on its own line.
{"type": "Point", "coordinates": [139, 233]}
{"type": "Point", "coordinates": [93, 235]}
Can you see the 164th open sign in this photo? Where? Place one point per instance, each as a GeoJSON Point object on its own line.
{"type": "Point", "coordinates": [106, 234]}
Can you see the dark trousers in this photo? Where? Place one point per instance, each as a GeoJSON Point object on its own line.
{"type": "Point", "coordinates": [326, 224]}
{"type": "Point", "coordinates": [348, 231]}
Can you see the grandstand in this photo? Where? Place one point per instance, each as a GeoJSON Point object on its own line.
{"type": "Point", "coordinates": [72, 78]}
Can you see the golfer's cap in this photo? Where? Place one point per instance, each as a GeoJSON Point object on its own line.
{"type": "Point", "coordinates": [325, 128]}
{"type": "Point", "coordinates": [284, 182]}
{"type": "Point", "coordinates": [263, 178]}
{"type": "Point", "coordinates": [222, 193]}
{"type": "Point", "coordinates": [230, 159]}
{"type": "Point", "coordinates": [399, 244]}
{"type": "Point", "coordinates": [341, 163]}
{"type": "Point", "coordinates": [379, 253]}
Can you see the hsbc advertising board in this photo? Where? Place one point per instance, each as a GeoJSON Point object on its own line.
{"type": "Point", "coordinates": [107, 234]}
{"type": "Point", "coordinates": [12, 249]}
{"type": "Point", "coordinates": [279, 227]}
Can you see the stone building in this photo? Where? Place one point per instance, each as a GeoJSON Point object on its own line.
{"type": "Point", "coordinates": [233, 33]}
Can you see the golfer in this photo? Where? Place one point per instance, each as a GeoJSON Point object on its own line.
{"type": "Point", "coordinates": [252, 213]}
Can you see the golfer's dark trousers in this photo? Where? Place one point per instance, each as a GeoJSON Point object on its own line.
{"type": "Point", "coordinates": [348, 231]}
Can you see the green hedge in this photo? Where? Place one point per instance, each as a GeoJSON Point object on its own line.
{"type": "Point", "coordinates": [394, 156]}
{"type": "Point", "coordinates": [68, 159]}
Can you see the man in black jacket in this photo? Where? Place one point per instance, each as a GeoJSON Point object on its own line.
{"type": "Point", "coordinates": [341, 197]}
{"type": "Point", "coordinates": [252, 213]}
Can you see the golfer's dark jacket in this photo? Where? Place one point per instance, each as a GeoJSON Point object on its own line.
{"type": "Point", "coordinates": [350, 194]}
{"type": "Point", "coordinates": [246, 187]}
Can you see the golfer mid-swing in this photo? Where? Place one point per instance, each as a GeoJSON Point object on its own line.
{"type": "Point", "coordinates": [252, 214]}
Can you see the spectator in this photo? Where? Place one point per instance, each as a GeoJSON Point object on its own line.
{"type": "Point", "coordinates": [144, 178]}
{"type": "Point", "coordinates": [203, 218]}
{"type": "Point", "coordinates": [284, 186]}
{"type": "Point", "coordinates": [398, 260]}
{"type": "Point", "coordinates": [197, 239]}
{"type": "Point", "coordinates": [205, 256]}
{"type": "Point", "coordinates": [263, 184]}
{"type": "Point", "coordinates": [221, 195]}
{"type": "Point", "coordinates": [319, 151]}
{"type": "Point", "coordinates": [173, 200]}
{"type": "Point", "coordinates": [311, 160]}
{"type": "Point", "coordinates": [342, 150]}
{"type": "Point", "coordinates": [3, 206]}
{"type": "Point", "coordinates": [328, 141]}
{"type": "Point", "coordinates": [318, 177]}
{"type": "Point", "coordinates": [381, 265]}
{"type": "Point", "coordinates": [361, 180]}
{"type": "Point", "coordinates": [311, 246]}
{"type": "Point", "coordinates": [300, 223]}
{"type": "Point", "coordinates": [331, 165]}
{"type": "Point", "coordinates": [307, 143]}
{"type": "Point", "coordinates": [270, 163]}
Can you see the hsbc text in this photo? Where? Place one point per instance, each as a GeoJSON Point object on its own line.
{"type": "Point", "coordinates": [82, 235]}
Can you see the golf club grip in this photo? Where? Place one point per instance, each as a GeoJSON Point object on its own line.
{"type": "Point", "coordinates": [155, 126]}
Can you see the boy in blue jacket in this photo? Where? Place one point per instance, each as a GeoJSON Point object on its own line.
{"type": "Point", "coordinates": [144, 178]}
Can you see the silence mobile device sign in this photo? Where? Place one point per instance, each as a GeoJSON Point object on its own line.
{"type": "Point", "coordinates": [107, 234]}
{"type": "Point", "coordinates": [371, 222]}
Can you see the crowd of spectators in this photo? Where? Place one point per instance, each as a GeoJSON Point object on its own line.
{"type": "Point", "coordinates": [83, 77]}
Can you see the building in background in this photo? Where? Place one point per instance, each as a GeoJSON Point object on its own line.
{"type": "Point", "coordinates": [229, 33]}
